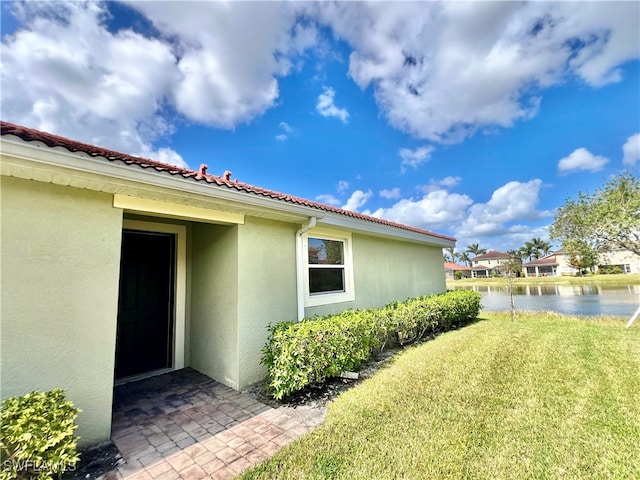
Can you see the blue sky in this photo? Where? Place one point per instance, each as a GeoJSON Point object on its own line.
{"type": "Point", "coordinates": [472, 120]}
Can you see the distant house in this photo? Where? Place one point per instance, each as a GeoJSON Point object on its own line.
{"type": "Point", "coordinates": [557, 263]}
{"type": "Point", "coordinates": [626, 261]}
{"type": "Point", "coordinates": [491, 259]}
{"type": "Point", "coordinates": [450, 270]}
{"type": "Point", "coordinates": [554, 264]}
{"type": "Point", "coordinates": [480, 271]}
{"type": "Point", "coordinates": [488, 263]}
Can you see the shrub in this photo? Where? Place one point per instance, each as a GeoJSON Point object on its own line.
{"type": "Point", "coordinates": [36, 435]}
{"type": "Point", "coordinates": [457, 275]}
{"type": "Point", "coordinates": [309, 352]}
{"type": "Point", "coordinates": [414, 318]}
{"type": "Point", "coordinates": [609, 269]}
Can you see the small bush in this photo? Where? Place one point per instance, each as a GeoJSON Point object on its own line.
{"type": "Point", "coordinates": [414, 318]}
{"type": "Point", "coordinates": [309, 352]}
{"type": "Point", "coordinates": [457, 275]}
{"type": "Point", "coordinates": [36, 436]}
{"type": "Point", "coordinates": [609, 270]}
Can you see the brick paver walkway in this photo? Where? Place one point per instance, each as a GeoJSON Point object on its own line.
{"type": "Point", "coordinates": [184, 425]}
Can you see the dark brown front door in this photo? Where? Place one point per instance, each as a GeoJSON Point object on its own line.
{"type": "Point", "coordinates": [145, 303]}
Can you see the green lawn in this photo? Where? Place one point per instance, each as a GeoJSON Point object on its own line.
{"type": "Point", "coordinates": [545, 397]}
{"type": "Point", "coordinates": [616, 279]}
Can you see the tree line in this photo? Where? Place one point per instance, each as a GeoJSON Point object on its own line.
{"type": "Point", "coordinates": [531, 250]}
{"type": "Point", "coordinates": [587, 227]}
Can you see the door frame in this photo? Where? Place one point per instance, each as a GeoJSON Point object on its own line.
{"type": "Point", "coordinates": [180, 288]}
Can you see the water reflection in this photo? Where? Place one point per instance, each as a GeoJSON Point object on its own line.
{"type": "Point", "coordinates": [521, 289]}
{"type": "Point", "coordinates": [569, 299]}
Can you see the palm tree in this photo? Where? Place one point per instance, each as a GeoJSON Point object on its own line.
{"type": "Point", "coordinates": [475, 249]}
{"type": "Point", "coordinates": [451, 254]}
{"type": "Point", "coordinates": [464, 257]}
{"type": "Point", "coordinates": [529, 251]}
{"type": "Point", "coordinates": [520, 253]}
{"type": "Point", "coordinates": [541, 246]}
{"type": "Point", "coordinates": [536, 248]}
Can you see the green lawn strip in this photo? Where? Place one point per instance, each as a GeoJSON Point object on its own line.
{"type": "Point", "coordinates": [544, 397]}
{"type": "Point", "coordinates": [613, 280]}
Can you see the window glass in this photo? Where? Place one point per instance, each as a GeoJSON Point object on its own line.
{"type": "Point", "coordinates": [329, 269]}
{"type": "Point", "coordinates": [325, 252]}
{"type": "Point", "coordinates": [324, 280]}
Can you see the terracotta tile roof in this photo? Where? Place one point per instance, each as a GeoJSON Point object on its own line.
{"type": "Point", "coordinates": [490, 255]}
{"type": "Point", "coordinates": [548, 260]}
{"type": "Point", "coordinates": [455, 266]}
{"type": "Point", "coordinates": [483, 267]}
{"type": "Point", "coordinates": [32, 135]}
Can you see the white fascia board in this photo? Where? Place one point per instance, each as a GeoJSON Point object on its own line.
{"type": "Point", "coordinates": [82, 164]}
{"type": "Point", "coordinates": [377, 229]}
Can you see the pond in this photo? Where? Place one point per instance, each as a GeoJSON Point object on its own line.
{"type": "Point", "coordinates": [621, 300]}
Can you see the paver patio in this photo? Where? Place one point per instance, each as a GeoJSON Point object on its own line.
{"type": "Point", "coordinates": [184, 425]}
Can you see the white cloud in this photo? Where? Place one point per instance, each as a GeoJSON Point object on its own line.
{"type": "Point", "coordinates": [582, 159]}
{"type": "Point", "coordinates": [328, 199]}
{"type": "Point", "coordinates": [441, 70]}
{"type": "Point", "coordinates": [343, 186]}
{"type": "Point", "coordinates": [165, 155]}
{"type": "Point", "coordinates": [449, 181]}
{"type": "Point", "coordinates": [631, 150]}
{"type": "Point", "coordinates": [227, 76]}
{"type": "Point", "coordinates": [390, 194]}
{"type": "Point", "coordinates": [507, 215]}
{"type": "Point", "coordinates": [513, 202]}
{"type": "Point", "coordinates": [287, 130]}
{"type": "Point", "coordinates": [286, 127]}
{"type": "Point", "coordinates": [357, 199]}
{"type": "Point", "coordinates": [438, 209]}
{"type": "Point", "coordinates": [327, 108]}
{"type": "Point", "coordinates": [415, 158]}
{"type": "Point", "coordinates": [512, 238]}
{"type": "Point", "coordinates": [446, 182]}
{"type": "Point", "coordinates": [63, 70]}
{"type": "Point", "coordinates": [67, 74]}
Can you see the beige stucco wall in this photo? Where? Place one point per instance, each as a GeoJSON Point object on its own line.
{"type": "Point", "coordinates": [266, 288]}
{"type": "Point", "coordinates": [621, 257]}
{"type": "Point", "coordinates": [387, 270]}
{"type": "Point", "coordinates": [214, 301]}
{"type": "Point", "coordinates": [60, 266]}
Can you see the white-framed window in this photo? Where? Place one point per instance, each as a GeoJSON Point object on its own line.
{"type": "Point", "coordinates": [328, 266]}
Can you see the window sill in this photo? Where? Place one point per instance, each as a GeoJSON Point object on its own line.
{"type": "Point", "coordinates": [329, 298]}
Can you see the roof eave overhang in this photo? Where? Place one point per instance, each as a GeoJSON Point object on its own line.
{"type": "Point", "coordinates": [376, 229]}
{"type": "Point", "coordinates": [36, 161]}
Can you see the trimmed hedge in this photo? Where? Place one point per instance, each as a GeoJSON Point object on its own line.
{"type": "Point", "coordinates": [303, 353]}
{"type": "Point", "coordinates": [414, 318]}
